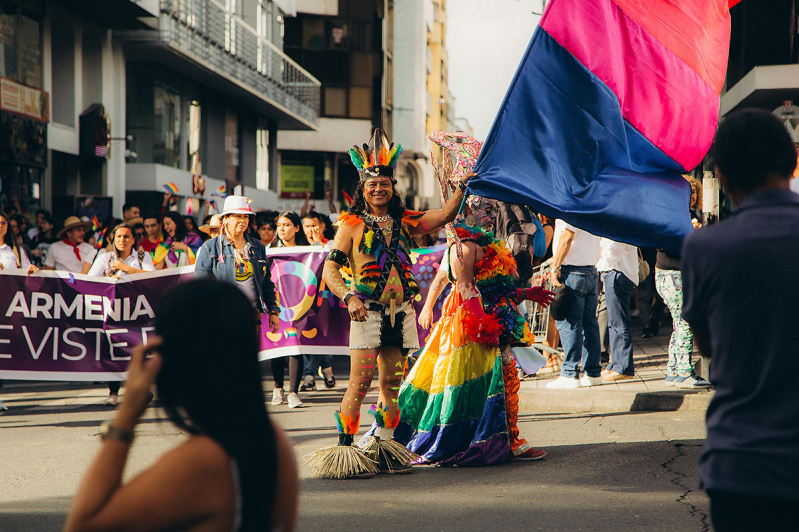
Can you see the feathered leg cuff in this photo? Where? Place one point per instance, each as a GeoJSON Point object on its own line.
{"type": "Point", "coordinates": [344, 460]}
{"type": "Point", "coordinates": [392, 456]}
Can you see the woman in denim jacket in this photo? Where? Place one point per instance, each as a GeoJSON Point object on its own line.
{"type": "Point", "coordinates": [234, 257]}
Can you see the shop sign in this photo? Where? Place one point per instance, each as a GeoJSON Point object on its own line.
{"type": "Point", "coordinates": [295, 179]}
{"type": "Point", "coordinates": [24, 100]}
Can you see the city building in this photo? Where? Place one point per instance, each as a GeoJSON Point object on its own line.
{"type": "Point", "coordinates": [347, 46]}
{"type": "Point", "coordinates": [763, 72]}
{"type": "Point", "coordinates": [107, 102]}
{"type": "Point", "coordinates": [422, 102]}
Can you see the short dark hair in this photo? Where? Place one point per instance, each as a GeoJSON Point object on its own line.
{"type": "Point", "coordinates": [314, 214]}
{"type": "Point", "coordinates": [750, 145]}
{"type": "Point", "coordinates": [128, 206]}
{"type": "Point", "coordinates": [152, 215]}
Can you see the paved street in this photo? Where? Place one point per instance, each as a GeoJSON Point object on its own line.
{"type": "Point", "coordinates": [614, 471]}
{"type": "Point", "coordinates": [621, 457]}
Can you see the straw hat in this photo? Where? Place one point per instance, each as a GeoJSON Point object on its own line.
{"type": "Point", "coordinates": [71, 223]}
{"type": "Point", "coordinates": [237, 205]}
{"type": "Point", "coordinates": [214, 223]}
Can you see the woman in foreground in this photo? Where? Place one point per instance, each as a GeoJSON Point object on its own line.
{"type": "Point", "coordinates": [224, 476]}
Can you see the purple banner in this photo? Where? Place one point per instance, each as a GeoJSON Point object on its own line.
{"type": "Point", "coordinates": [58, 326]}
{"type": "Point", "coordinates": [312, 319]}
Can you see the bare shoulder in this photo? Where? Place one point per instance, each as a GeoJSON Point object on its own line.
{"type": "Point", "coordinates": [199, 457]}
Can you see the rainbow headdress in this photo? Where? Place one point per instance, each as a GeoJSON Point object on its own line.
{"type": "Point", "coordinates": [377, 157]}
{"type": "Point", "coordinates": [460, 155]}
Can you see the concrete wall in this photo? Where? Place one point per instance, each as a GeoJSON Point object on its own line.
{"type": "Point", "coordinates": [318, 7]}
{"type": "Point", "coordinates": [410, 75]}
{"type": "Point", "coordinates": [82, 66]}
{"type": "Point", "coordinates": [334, 135]}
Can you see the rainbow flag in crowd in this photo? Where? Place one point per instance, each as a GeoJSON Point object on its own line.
{"type": "Point", "coordinates": [221, 192]}
{"type": "Point", "coordinates": [171, 188]}
{"type": "Point", "coordinates": [95, 223]}
{"type": "Point", "coordinates": [613, 100]}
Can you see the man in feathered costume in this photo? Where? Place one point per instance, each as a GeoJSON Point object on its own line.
{"type": "Point", "coordinates": [374, 239]}
{"type": "Point", "coordinates": [459, 403]}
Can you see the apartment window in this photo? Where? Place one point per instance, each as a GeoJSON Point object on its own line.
{"type": "Point", "coordinates": [20, 47]}
{"type": "Point", "coordinates": [195, 119]}
{"type": "Point", "coordinates": [262, 159]}
{"type": "Point", "coordinates": [167, 125]}
{"type": "Point", "coordinates": [230, 26]}
{"type": "Point", "coordinates": [264, 28]}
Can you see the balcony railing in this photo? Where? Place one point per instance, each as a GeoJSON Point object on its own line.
{"type": "Point", "coordinates": [212, 36]}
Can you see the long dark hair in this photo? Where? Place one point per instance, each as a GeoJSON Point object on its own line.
{"type": "Point", "coordinates": [11, 239]}
{"type": "Point", "coordinates": [395, 207]}
{"type": "Point", "coordinates": [299, 236]}
{"type": "Point", "coordinates": [180, 229]}
{"type": "Point", "coordinates": [222, 399]}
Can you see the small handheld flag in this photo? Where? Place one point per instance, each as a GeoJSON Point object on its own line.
{"type": "Point", "coordinates": [171, 187]}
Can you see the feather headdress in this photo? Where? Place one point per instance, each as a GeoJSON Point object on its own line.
{"type": "Point", "coordinates": [377, 157]}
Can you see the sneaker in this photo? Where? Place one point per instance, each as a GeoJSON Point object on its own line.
{"type": "Point", "coordinates": [564, 383]}
{"type": "Point", "coordinates": [112, 400]}
{"type": "Point", "coordinates": [308, 384]}
{"type": "Point", "coordinates": [531, 454]}
{"type": "Point", "coordinates": [277, 396]}
{"type": "Point", "coordinates": [294, 401]}
{"type": "Point", "coordinates": [615, 376]}
{"type": "Point", "coordinates": [2, 406]}
{"type": "Point", "coordinates": [585, 380]}
{"type": "Point", "coordinates": [691, 381]}
{"type": "Point", "coordinates": [647, 333]}
{"type": "Point", "coordinates": [670, 380]}
{"type": "Point", "coordinates": [327, 375]}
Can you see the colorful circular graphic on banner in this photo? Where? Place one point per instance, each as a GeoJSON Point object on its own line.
{"type": "Point", "coordinates": [306, 277]}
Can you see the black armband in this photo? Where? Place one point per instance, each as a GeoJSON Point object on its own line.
{"type": "Point", "coordinates": [337, 256]}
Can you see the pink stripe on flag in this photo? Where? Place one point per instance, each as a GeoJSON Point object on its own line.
{"type": "Point", "coordinates": [660, 95]}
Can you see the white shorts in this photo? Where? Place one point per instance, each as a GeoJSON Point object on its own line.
{"type": "Point", "coordinates": [377, 332]}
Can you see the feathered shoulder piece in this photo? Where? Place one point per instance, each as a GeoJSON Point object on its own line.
{"type": "Point", "coordinates": [412, 217]}
{"type": "Point", "coordinates": [480, 236]}
{"type": "Point", "coordinates": [350, 219]}
{"type": "Point", "coordinates": [377, 157]}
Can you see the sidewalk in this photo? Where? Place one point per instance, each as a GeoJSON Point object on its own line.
{"type": "Point", "coordinates": [647, 392]}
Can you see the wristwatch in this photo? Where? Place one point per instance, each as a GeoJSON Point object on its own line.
{"type": "Point", "coordinates": [107, 430]}
{"type": "Point", "coordinates": [462, 186]}
{"type": "Point", "coordinates": [347, 297]}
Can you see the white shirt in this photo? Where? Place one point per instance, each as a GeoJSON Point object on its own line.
{"type": "Point", "coordinates": [100, 266]}
{"type": "Point", "coordinates": [620, 257]}
{"type": "Point", "coordinates": [584, 250]}
{"type": "Point", "coordinates": [9, 260]}
{"type": "Point", "coordinates": [62, 257]}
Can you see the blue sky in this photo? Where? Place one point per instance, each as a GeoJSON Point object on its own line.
{"type": "Point", "coordinates": [485, 45]}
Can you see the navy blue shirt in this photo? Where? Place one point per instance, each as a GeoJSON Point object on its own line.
{"type": "Point", "coordinates": [741, 285]}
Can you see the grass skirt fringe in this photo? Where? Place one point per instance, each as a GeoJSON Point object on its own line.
{"type": "Point", "coordinates": [374, 447]}
{"type": "Point", "coordinates": [340, 462]}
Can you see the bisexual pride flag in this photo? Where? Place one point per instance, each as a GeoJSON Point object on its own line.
{"type": "Point", "coordinates": [613, 100]}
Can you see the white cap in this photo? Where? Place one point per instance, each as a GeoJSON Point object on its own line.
{"type": "Point", "coordinates": [237, 205]}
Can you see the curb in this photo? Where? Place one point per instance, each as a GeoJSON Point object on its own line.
{"type": "Point", "coordinates": [532, 400]}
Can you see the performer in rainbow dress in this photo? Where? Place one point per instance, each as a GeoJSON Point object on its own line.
{"type": "Point", "coordinates": [459, 403]}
